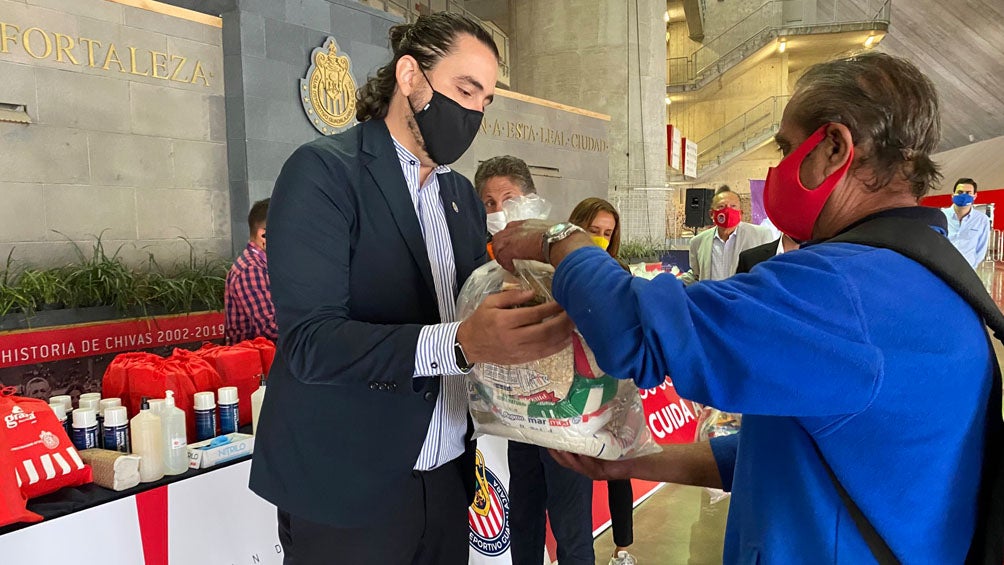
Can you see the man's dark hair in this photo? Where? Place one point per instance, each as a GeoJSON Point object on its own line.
{"type": "Point", "coordinates": [257, 215]}
{"type": "Point", "coordinates": [723, 188]}
{"type": "Point", "coordinates": [890, 107]}
{"type": "Point", "coordinates": [428, 40]}
{"type": "Point", "coordinates": [964, 180]}
{"type": "Point", "coordinates": [505, 166]}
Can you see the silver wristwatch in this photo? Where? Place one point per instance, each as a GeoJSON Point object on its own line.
{"type": "Point", "coordinates": [556, 233]}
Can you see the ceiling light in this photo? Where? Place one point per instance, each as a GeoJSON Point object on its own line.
{"type": "Point", "coordinates": [668, 101]}
{"type": "Point", "coordinates": [870, 41]}
{"type": "Point", "coordinates": [781, 46]}
{"type": "Point", "coordinates": [665, 16]}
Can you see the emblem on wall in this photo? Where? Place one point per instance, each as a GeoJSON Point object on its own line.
{"type": "Point", "coordinates": [328, 91]}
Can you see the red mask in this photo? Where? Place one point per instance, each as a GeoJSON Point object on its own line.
{"type": "Point", "coordinates": [726, 217]}
{"type": "Point", "coordinates": [792, 207]}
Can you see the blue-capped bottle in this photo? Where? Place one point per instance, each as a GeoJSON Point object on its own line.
{"type": "Point", "coordinates": [205, 415]}
{"type": "Point", "coordinates": [229, 410]}
{"type": "Point", "coordinates": [116, 429]}
{"type": "Point", "coordinates": [85, 429]}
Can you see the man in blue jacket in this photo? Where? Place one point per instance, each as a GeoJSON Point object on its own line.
{"type": "Point", "coordinates": [364, 440]}
{"type": "Point", "coordinates": [837, 346]}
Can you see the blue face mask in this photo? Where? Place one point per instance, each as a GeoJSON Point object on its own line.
{"type": "Point", "coordinates": [963, 199]}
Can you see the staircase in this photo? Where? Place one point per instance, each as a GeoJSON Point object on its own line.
{"type": "Point", "coordinates": [773, 19]}
{"type": "Point", "coordinates": [751, 130]}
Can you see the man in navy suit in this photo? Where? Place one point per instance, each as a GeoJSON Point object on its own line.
{"type": "Point", "coordinates": [364, 438]}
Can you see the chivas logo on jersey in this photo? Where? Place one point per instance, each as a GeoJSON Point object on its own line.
{"type": "Point", "coordinates": [489, 514]}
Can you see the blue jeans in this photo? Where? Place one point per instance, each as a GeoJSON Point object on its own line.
{"type": "Point", "coordinates": [538, 484]}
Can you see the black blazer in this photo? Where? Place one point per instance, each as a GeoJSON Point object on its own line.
{"type": "Point", "coordinates": [755, 255]}
{"type": "Point", "coordinates": [343, 420]}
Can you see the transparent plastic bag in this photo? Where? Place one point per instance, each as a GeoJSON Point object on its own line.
{"type": "Point", "coordinates": [563, 401]}
{"type": "Point", "coordinates": [712, 422]}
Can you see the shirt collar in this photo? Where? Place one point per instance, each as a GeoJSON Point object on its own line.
{"type": "Point", "coordinates": [408, 159]}
{"type": "Point", "coordinates": [256, 252]}
{"type": "Point", "coordinates": [731, 235]}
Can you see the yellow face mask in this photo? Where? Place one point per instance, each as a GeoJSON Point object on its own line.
{"type": "Point", "coordinates": [601, 241]}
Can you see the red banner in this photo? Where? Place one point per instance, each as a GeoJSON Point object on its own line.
{"type": "Point", "coordinates": [44, 345]}
{"type": "Point", "coordinates": [670, 418]}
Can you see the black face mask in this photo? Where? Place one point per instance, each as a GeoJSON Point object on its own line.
{"type": "Point", "coordinates": [447, 127]}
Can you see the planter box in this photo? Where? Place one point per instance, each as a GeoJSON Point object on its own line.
{"type": "Point", "coordinates": [72, 316]}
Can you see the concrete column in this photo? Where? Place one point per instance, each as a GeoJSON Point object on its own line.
{"type": "Point", "coordinates": [607, 57]}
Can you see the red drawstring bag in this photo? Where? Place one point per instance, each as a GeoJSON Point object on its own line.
{"type": "Point", "coordinates": [152, 378]}
{"type": "Point", "coordinates": [200, 374]}
{"type": "Point", "coordinates": [13, 504]}
{"type": "Point", "coordinates": [38, 449]}
{"type": "Point", "coordinates": [239, 367]}
{"type": "Point", "coordinates": [115, 383]}
{"type": "Point", "coordinates": [265, 347]}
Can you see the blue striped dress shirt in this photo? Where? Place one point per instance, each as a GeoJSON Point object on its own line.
{"type": "Point", "coordinates": [434, 356]}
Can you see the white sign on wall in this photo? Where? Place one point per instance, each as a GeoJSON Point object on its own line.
{"type": "Point", "coordinates": [675, 147]}
{"type": "Point", "coordinates": [689, 158]}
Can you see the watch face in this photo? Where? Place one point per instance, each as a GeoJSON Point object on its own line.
{"type": "Point", "coordinates": [556, 229]}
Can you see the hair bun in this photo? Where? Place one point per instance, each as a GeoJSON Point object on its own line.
{"type": "Point", "coordinates": [397, 35]}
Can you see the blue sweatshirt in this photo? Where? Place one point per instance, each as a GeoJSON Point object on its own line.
{"type": "Point", "coordinates": [860, 348]}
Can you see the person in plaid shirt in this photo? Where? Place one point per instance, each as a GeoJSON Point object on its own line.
{"type": "Point", "coordinates": [248, 302]}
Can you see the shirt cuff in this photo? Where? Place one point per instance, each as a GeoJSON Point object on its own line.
{"type": "Point", "coordinates": [724, 449]}
{"type": "Point", "coordinates": [435, 354]}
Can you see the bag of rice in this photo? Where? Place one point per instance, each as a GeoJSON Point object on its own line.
{"type": "Point", "coordinates": [564, 401]}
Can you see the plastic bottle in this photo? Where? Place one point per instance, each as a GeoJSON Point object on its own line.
{"type": "Point", "coordinates": [65, 400]}
{"type": "Point", "coordinates": [116, 430]}
{"type": "Point", "coordinates": [157, 405]}
{"type": "Point", "coordinates": [103, 405]}
{"type": "Point", "coordinates": [148, 443]}
{"type": "Point", "coordinates": [257, 397]}
{"type": "Point", "coordinates": [95, 396]}
{"type": "Point", "coordinates": [60, 411]}
{"type": "Point", "coordinates": [175, 441]}
{"type": "Point", "coordinates": [205, 415]}
{"type": "Point", "coordinates": [229, 410]}
{"type": "Point", "coordinates": [89, 404]}
{"type": "Point", "coordinates": [85, 428]}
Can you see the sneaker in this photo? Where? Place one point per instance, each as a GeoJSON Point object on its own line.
{"type": "Point", "coordinates": [623, 558]}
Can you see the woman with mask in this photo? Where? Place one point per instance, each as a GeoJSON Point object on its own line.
{"type": "Point", "coordinates": [600, 219]}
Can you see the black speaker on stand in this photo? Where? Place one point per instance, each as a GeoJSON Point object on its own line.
{"type": "Point", "coordinates": [697, 207]}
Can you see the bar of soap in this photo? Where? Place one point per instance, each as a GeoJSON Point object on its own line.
{"type": "Point", "coordinates": [112, 469]}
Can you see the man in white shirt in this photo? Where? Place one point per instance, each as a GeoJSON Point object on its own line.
{"type": "Point", "coordinates": [969, 233]}
{"type": "Point", "coordinates": [714, 253]}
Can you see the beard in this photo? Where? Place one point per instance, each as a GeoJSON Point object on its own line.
{"type": "Point", "coordinates": [416, 134]}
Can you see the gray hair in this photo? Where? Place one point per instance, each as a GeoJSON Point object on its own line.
{"type": "Point", "coordinates": [890, 107]}
{"type": "Point", "coordinates": [505, 166]}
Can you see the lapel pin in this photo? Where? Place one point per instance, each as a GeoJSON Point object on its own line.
{"type": "Point", "coordinates": [455, 209]}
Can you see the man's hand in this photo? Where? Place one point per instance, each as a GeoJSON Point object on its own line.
{"type": "Point", "coordinates": [596, 469]}
{"type": "Point", "coordinates": [498, 333]}
{"type": "Point", "coordinates": [520, 240]}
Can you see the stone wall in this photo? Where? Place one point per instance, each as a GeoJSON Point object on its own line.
{"type": "Point", "coordinates": [128, 132]}
{"type": "Point", "coordinates": [267, 46]}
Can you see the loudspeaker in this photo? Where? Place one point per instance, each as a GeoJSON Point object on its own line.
{"type": "Point", "coordinates": [697, 206]}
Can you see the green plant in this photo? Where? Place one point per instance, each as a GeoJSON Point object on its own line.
{"type": "Point", "coordinates": [199, 283]}
{"type": "Point", "coordinates": [639, 248]}
{"type": "Point", "coordinates": [99, 280]}
{"type": "Point", "coordinates": [43, 288]}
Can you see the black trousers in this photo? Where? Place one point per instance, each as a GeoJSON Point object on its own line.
{"type": "Point", "coordinates": [620, 497]}
{"type": "Point", "coordinates": [427, 527]}
{"type": "Point", "coordinates": [538, 484]}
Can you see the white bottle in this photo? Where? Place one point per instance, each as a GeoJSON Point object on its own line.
{"type": "Point", "coordinates": [148, 443]}
{"type": "Point", "coordinates": [257, 397]}
{"type": "Point", "coordinates": [175, 439]}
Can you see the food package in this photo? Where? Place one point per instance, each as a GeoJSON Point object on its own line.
{"type": "Point", "coordinates": [564, 401]}
{"type": "Point", "coordinates": [112, 469]}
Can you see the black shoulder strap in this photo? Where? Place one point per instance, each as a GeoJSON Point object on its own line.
{"type": "Point", "coordinates": [919, 242]}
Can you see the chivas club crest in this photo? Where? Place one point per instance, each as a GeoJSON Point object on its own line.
{"type": "Point", "coordinates": [328, 92]}
{"type": "Point", "coordinates": [489, 514]}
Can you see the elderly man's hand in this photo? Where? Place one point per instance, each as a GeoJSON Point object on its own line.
{"type": "Point", "coordinates": [596, 469]}
{"type": "Point", "coordinates": [498, 333]}
{"type": "Point", "coordinates": [520, 240]}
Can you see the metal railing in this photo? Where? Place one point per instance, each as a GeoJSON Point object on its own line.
{"type": "Point", "coordinates": [745, 132]}
{"type": "Point", "coordinates": [767, 22]}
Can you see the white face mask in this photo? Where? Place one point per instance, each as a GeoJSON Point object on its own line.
{"type": "Point", "coordinates": [496, 222]}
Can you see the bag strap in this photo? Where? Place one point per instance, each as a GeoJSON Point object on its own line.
{"type": "Point", "coordinates": [919, 242]}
